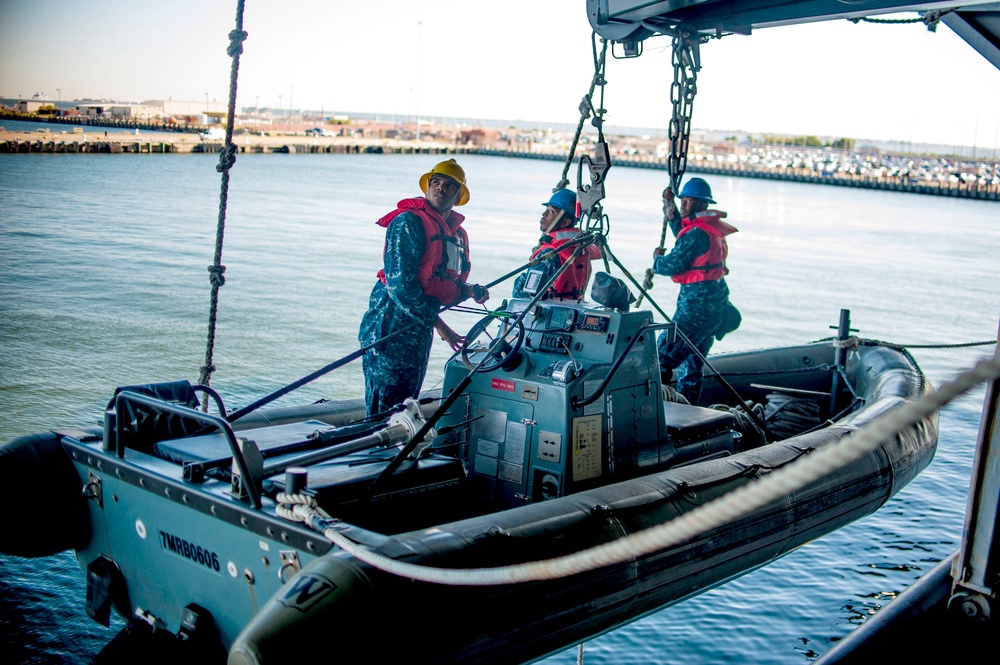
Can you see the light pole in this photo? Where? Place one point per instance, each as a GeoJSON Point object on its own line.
{"type": "Point", "coordinates": [420, 35]}
{"type": "Point", "coordinates": [290, 102]}
{"type": "Point", "coordinates": [975, 137]}
{"type": "Point", "coordinates": [206, 104]}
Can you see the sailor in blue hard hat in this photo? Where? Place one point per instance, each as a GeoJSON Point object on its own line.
{"type": "Point", "coordinates": [560, 210]}
{"type": "Point", "coordinates": [698, 263]}
{"type": "Point", "coordinates": [698, 194]}
{"type": "Point", "coordinates": [558, 226]}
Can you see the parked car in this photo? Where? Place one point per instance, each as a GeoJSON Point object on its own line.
{"type": "Point", "coordinates": [319, 131]}
{"type": "Point", "coordinates": [213, 133]}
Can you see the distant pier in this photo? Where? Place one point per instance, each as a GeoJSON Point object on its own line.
{"type": "Point", "coordinates": [891, 184]}
{"type": "Point", "coordinates": [186, 143]}
{"type": "Point", "coordinates": [86, 140]}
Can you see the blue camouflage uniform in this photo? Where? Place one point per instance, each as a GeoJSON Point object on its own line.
{"type": "Point", "coordinates": [701, 307]}
{"type": "Point", "coordinates": [546, 268]}
{"type": "Point", "coordinates": [395, 369]}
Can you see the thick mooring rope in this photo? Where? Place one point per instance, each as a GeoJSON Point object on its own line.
{"type": "Point", "coordinates": [723, 510]}
{"type": "Point", "coordinates": [227, 158]}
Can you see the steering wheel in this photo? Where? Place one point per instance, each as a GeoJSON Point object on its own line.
{"type": "Point", "coordinates": [498, 349]}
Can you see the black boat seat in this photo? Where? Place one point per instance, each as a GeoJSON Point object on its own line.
{"type": "Point", "coordinates": [271, 441]}
{"type": "Point", "coordinates": [698, 432]}
{"type": "Point", "coordinates": [147, 425]}
{"type": "Point", "coordinates": [688, 424]}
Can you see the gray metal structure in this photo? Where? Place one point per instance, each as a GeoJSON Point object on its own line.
{"type": "Point", "coordinates": [628, 22]}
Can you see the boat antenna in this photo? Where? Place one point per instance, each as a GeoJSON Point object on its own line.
{"type": "Point", "coordinates": [687, 62]}
{"type": "Point", "coordinates": [227, 158]}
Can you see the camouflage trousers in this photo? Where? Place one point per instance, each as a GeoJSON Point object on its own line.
{"type": "Point", "coordinates": [701, 307]}
{"type": "Point", "coordinates": [395, 370]}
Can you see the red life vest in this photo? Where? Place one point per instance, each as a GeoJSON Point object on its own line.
{"type": "Point", "coordinates": [445, 263]}
{"type": "Point", "coordinates": [712, 264]}
{"type": "Point", "coordinates": [572, 283]}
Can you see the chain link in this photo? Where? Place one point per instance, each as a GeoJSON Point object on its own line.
{"type": "Point", "coordinates": [686, 61]}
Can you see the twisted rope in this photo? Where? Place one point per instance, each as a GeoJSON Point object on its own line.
{"type": "Point", "coordinates": [854, 342]}
{"type": "Point", "coordinates": [851, 342]}
{"type": "Point", "coordinates": [868, 19]}
{"type": "Point", "coordinates": [227, 158]}
{"type": "Point", "coordinates": [586, 106]}
{"type": "Point", "coordinates": [702, 519]}
{"type": "Point", "coordinates": [930, 19]}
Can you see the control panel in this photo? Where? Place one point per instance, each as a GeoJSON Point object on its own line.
{"type": "Point", "coordinates": [580, 406]}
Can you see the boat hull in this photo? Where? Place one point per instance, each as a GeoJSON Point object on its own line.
{"type": "Point", "coordinates": [164, 548]}
{"type": "Point", "coordinates": [521, 623]}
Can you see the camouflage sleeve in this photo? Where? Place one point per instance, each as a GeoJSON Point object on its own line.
{"type": "Point", "coordinates": [404, 246]}
{"type": "Point", "coordinates": [688, 247]}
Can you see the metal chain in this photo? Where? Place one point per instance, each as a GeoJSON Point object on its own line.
{"type": "Point", "coordinates": [686, 60]}
{"type": "Point", "coordinates": [586, 107]}
{"type": "Point", "coordinates": [226, 160]}
{"type": "Point", "coordinates": [590, 190]}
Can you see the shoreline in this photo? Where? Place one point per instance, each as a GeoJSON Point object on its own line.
{"type": "Point", "coordinates": [99, 140]}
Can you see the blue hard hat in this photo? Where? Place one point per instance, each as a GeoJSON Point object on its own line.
{"type": "Point", "coordinates": [565, 200]}
{"type": "Point", "coordinates": [696, 188]}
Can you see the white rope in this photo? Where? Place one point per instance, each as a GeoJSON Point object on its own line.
{"type": "Point", "coordinates": [851, 342]}
{"type": "Point", "coordinates": [723, 510]}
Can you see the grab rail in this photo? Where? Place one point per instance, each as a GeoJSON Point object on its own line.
{"type": "Point", "coordinates": [125, 398]}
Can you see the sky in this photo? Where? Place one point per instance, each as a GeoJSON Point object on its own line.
{"type": "Point", "coordinates": [502, 61]}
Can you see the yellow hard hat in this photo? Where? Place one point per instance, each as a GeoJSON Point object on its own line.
{"type": "Point", "coordinates": [451, 169]}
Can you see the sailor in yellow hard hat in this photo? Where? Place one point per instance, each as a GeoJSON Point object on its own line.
{"type": "Point", "coordinates": [426, 265]}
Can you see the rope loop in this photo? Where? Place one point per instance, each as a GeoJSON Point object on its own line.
{"type": "Point", "coordinates": [207, 370]}
{"type": "Point", "coordinates": [216, 275]}
{"type": "Point", "coordinates": [851, 342]}
{"type": "Point", "coordinates": [300, 499]}
{"type": "Point", "coordinates": [227, 157]}
{"type": "Point", "coordinates": [236, 39]}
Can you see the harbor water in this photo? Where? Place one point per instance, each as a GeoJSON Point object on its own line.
{"type": "Point", "coordinates": [103, 283]}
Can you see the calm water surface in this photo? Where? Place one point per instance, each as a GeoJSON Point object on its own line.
{"type": "Point", "coordinates": [103, 283]}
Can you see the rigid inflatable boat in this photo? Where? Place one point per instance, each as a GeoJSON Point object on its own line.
{"type": "Point", "coordinates": [551, 437]}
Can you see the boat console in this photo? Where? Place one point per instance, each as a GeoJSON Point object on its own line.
{"type": "Point", "coordinates": [566, 396]}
